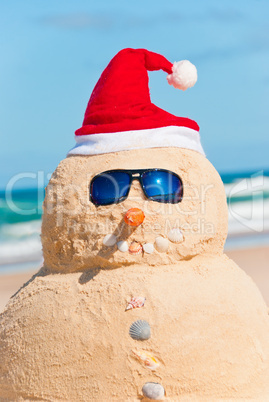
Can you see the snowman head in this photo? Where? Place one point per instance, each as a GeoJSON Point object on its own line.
{"type": "Point", "coordinates": [137, 188]}
{"type": "Point", "coordinates": [78, 235]}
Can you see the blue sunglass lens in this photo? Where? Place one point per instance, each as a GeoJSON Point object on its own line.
{"type": "Point", "coordinates": [162, 186]}
{"type": "Point", "coordinates": [109, 188]}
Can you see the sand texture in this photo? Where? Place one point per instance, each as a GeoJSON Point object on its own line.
{"type": "Point", "coordinates": [253, 260]}
{"type": "Point", "coordinates": [209, 332]}
{"type": "Point", "coordinates": [10, 283]}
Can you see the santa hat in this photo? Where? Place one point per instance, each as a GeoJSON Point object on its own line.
{"type": "Point", "coordinates": [120, 115]}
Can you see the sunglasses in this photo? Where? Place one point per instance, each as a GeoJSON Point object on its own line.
{"type": "Point", "coordinates": [113, 186]}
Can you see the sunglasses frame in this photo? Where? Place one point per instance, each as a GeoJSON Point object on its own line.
{"type": "Point", "coordinates": [134, 174]}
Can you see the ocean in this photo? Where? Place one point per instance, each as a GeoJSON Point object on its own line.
{"type": "Point", "coordinates": [21, 212]}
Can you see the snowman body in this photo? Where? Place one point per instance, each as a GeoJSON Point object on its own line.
{"type": "Point", "coordinates": [65, 335]}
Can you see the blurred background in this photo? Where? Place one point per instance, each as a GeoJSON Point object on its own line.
{"type": "Point", "coordinates": [52, 54]}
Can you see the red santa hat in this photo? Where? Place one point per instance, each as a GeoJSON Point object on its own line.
{"type": "Point", "coordinates": [120, 115]}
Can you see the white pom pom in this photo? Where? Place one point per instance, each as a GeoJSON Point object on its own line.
{"type": "Point", "coordinates": [184, 75]}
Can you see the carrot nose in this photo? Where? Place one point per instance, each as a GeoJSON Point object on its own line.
{"type": "Point", "coordinates": [134, 217]}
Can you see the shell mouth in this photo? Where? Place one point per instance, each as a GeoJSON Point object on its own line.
{"type": "Point", "coordinates": [161, 244]}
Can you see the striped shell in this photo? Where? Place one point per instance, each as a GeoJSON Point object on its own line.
{"type": "Point", "coordinates": [147, 359]}
{"type": "Point", "coordinates": [153, 390]}
{"type": "Point", "coordinates": [109, 240]}
{"type": "Point", "coordinates": [175, 235]}
{"type": "Point", "coordinates": [140, 330]}
{"type": "Point", "coordinates": [161, 244]}
{"type": "Point", "coordinates": [135, 302]}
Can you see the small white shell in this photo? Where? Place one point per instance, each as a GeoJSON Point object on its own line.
{"type": "Point", "coordinates": [175, 235]}
{"type": "Point", "coordinates": [161, 244]}
{"type": "Point", "coordinates": [153, 390]}
{"type": "Point", "coordinates": [148, 248]}
{"type": "Point", "coordinates": [109, 240]}
{"type": "Point", "coordinates": [140, 330]}
{"type": "Point", "coordinates": [123, 246]}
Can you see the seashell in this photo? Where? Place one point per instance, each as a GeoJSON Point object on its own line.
{"type": "Point", "coordinates": [123, 246]}
{"type": "Point", "coordinates": [148, 248]}
{"type": "Point", "coordinates": [161, 244]}
{"type": "Point", "coordinates": [109, 240]}
{"type": "Point", "coordinates": [153, 390]}
{"type": "Point", "coordinates": [175, 235]}
{"type": "Point", "coordinates": [147, 358]}
{"type": "Point", "coordinates": [136, 302]}
{"type": "Point", "coordinates": [140, 330]}
{"type": "Point", "coordinates": [134, 217]}
{"type": "Point", "coordinates": [135, 248]}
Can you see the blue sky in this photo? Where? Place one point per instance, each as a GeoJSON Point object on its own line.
{"type": "Point", "coordinates": [53, 52]}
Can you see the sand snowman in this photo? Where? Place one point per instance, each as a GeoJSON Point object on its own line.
{"type": "Point", "coordinates": [136, 300]}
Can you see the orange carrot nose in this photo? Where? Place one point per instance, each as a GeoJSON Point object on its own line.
{"type": "Point", "coordinates": [134, 217]}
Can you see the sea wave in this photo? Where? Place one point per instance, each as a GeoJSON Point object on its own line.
{"type": "Point", "coordinates": [20, 242]}
{"type": "Point", "coordinates": [22, 251]}
{"type": "Point", "coordinates": [20, 230]}
{"type": "Point", "coordinates": [247, 189]}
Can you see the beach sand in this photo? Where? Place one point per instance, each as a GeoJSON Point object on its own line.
{"type": "Point", "coordinates": [254, 261]}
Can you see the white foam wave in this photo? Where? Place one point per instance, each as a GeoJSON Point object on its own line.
{"type": "Point", "coordinates": [249, 217]}
{"type": "Point", "coordinates": [20, 242]}
{"type": "Point", "coordinates": [20, 251]}
{"type": "Point", "coordinates": [22, 229]}
{"type": "Point", "coordinates": [247, 187]}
